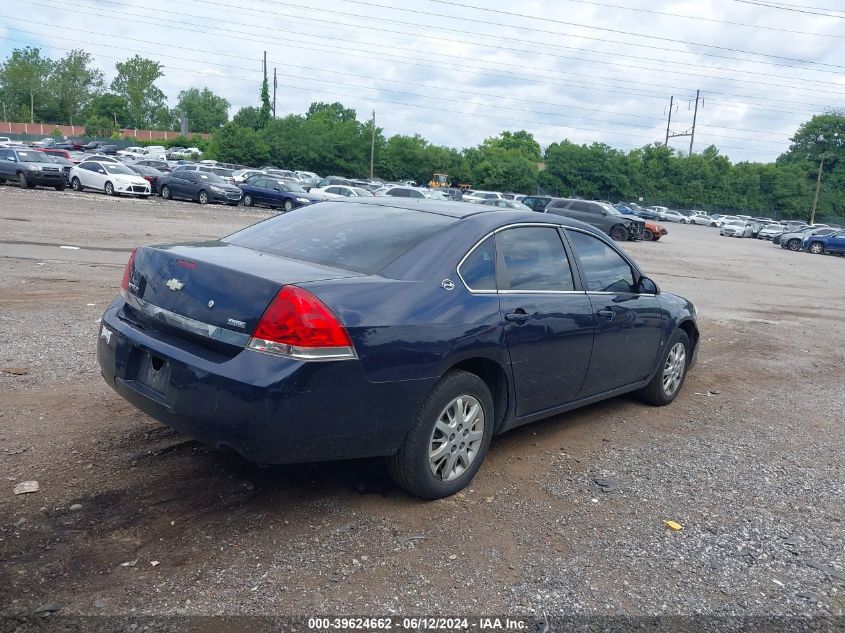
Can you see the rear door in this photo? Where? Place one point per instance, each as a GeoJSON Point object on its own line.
{"type": "Point", "coordinates": [628, 324]}
{"type": "Point", "coordinates": [548, 319]}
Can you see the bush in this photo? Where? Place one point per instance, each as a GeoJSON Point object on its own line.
{"type": "Point", "coordinates": [56, 133]}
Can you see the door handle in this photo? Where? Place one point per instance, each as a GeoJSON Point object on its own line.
{"type": "Point", "coordinates": [607, 314]}
{"type": "Point", "coordinates": [519, 317]}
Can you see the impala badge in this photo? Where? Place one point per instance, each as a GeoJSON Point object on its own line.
{"type": "Point", "coordinates": [236, 323]}
{"type": "Point", "coordinates": [174, 284]}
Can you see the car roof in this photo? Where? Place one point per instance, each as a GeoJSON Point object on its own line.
{"type": "Point", "coordinates": [489, 214]}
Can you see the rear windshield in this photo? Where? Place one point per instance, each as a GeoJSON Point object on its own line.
{"type": "Point", "coordinates": [353, 236]}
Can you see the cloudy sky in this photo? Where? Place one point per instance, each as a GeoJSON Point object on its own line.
{"type": "Point", "coordinates": [459, 71]}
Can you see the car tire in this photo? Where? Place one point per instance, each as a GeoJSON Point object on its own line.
{"type": "Point", "coordinates": [619, 233]}
{"type": "Point", "coordinates": [671, 371]}
{"type": "Point", "coordinates": [417, 467]}
{"type": "Point", "coordinates": [108, 188]}
{"type": "Point", "coordinates": [794, 245]}
{"type": "Point", "coordinates": [165, 193]}
{"type": "Point", "coordinates": [60, 187]}
{"type": "Point", "coordinates": [76, 184]}
{"type": "Point", "coordinates": [202, 197]}
{"type": "Point", "coordinates": [2, 181]}
{"type": "Point", "coordinates": [288, 205]}
{"type": "Point", "coordinates": [648, 236]}
{"type": "Point", "coordinates": [816, 248]}
{"type": "Point", "coordinates": [247, 200]}
{"type": "Point", "coordinates": [24, 183]}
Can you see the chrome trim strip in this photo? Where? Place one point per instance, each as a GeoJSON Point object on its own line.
{"type": "Point", "coordinates": [302, 353]}
{"type": "Point", "coordinates": [193, 326]}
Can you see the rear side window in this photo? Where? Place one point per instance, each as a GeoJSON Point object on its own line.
{"type": "Point", "coordinates": [533, 260]}
{"type": "Point", "coordinates": [603, 268]}
{"type": "Point", "coordinates": [478, 270]}
{"type": "Point", "coordinates": [352, 236]}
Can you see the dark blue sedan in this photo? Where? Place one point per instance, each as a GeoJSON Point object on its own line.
{"type": "Point", "coordinates": [410, 329]}
{"type": "Point", "coordinates": [272, 192]}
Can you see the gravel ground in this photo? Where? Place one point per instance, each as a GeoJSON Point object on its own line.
{"type": "Point", "coordinates": [748, 460]}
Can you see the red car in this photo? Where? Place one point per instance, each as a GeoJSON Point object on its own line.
{"type": "Point", "coordinates": [653, 231]}
{"type": "Point", "coordinates": [56, 152]}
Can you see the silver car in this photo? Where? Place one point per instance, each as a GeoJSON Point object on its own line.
{"type": "Point", "coordinates": [770, 230]}
{"type": "Point", "coordinates": [736, 228]}
{"type": "Point", "coordinates": [792, 241]}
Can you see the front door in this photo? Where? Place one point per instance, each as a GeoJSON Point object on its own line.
{"type": "Point", "coordinates": [548, 322]}
{"type": "Point", "coordinates": [629, 324]}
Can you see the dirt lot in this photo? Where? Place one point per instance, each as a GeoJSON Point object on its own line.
{"type": "Point", "coordinates": [749, 459]}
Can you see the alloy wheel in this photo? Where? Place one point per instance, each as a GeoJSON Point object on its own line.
{"type": "Point", "coordinates": [793, 245]}
{"type": "Point", "coordinates": [816, 248]}
{"type": "Point", "coordinates": [674, 368]}
{"type": "Point", "coordinates": [456, 438]}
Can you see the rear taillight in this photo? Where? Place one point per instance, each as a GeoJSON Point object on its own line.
{"type": "Point", "coordinates": [148, 178]}
{"type": "Point", "coordinates": [127, 273]}
{"type": "Point", "coordinates": [298, 325]}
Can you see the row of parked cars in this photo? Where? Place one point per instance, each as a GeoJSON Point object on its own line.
{"type": "Point", "coordinates": [793, 235]}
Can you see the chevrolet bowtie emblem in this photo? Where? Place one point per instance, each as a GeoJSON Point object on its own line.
{"type": "Point", "coordinates": [174, 284]}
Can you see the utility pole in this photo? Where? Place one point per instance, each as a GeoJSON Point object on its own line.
{"type": "Point", "coordinates": [373, 145]}
{"type": "Point", "coordinates": [694, 117]}
{"type": "Point", "coordinates": [818, 187]}
{"type": "Point", "coordinates": [275, 84]}
{"type": "Point", "coordinates": [669, 122]}
{"type": "Point", "coordinates": [32, 105]}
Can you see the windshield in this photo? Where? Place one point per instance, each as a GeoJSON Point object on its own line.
{"type": "Point", "coordinates": [610, 209]}
{"type": "Point", "coordinates": [114, 168]}
{"type": "Point", "coordinates": [33, 157]}
{"type": "Point", "coordinates": [356, 237]}
{"type": "Point", "coordinates": [361, 192]}
{"type": "Point", "coordinates": [210, 178]}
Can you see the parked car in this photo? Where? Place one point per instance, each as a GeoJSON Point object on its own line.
{"type": "Point", "coordinates": [30, 168]}
{"type": "Point", "coordinates": [47, 141]}
{"type": "Point", "coordinates": [306, 175]}
{"type": "Point", "coordinates": [792, 241]}
{"type": "Point", "coordinates": [242, 175]}
{"type": "Point", "coordinates": [404, 192]}
{"type": "Point", "coordinates": [537, 203]}
{"type": "Point", "coordinates": [155, 151]}
{"type": "Point", "coordinates": [222, 172]}
{"type": "Point", "coordinates": [56, 152]}
{"type": "Point", "coordinates": [670, 215]}
{"type": "Point", "coordinates": [265, 191]}
{"type": "Point", "coordinates": [476, 196]}
{"type": "Point", "coordinates": [174, 153]}
{"type": "Point", "coordinates": [201, 186]}
{"type": "Point", "coordinates": [703, 220]}
{"type": "Point", "coordinates": [413, 333]}
{"type": "Point", "coordinates": [328, 181]}
{"type": "Point", "coordinates": [506, 203]}
{"type": "Point", "coordinates": [600, 215]}
{"type": "Point", "coordinates": [161, 165]}
{"type": "Point", "coordinates": [92, 146]}
{"type": "Point", "coordinates": [737, 228]}
{"type": "Point", "coordinates": [652, 231]}
{"type": "Point", "coordinates": [131, 152]}
{"type": "Point", "coordinates": [820, 244]}
{"type": "Point", "coordinates": [150, 174]}
{"type": "Point", "coordinates": [111, 178]}
{"type": "Point", "coordinates": [71, 145]}
{"type": "Point", "coordinates": [65, 164]}
{"type": "Point", "coordinates": [341, 191]}
{"type": "Point", "coordinates": [769, 231]}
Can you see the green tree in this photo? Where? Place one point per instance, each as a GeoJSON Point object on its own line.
{"type": "Point", "coordinates": [135, 82]}
{"type": "Point", "coordinates": [108, 106]}
{"type": "Point", "coordinates": [265, 112]}
{"type": "Point", "coordinates": [234, 144]}
{"type": "Point", "coordinates": [75, 81]}
{"type": "Point", "coordinates": [24, 85]}
{"type": "Point", "coordinates": [204, 110]}
{"type": "Point", "coordinates": [249, 116]}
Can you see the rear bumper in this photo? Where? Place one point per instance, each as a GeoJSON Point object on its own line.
{"type": "Point", "coordinates": [266, 408]}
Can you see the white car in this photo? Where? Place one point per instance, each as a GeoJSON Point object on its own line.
{"type": "Point", "coordinates": [131, 152]}
{"type": "Point", "coordinates": [305, 175]}
{"type": "Point", "coordinates": [188, 152]}
{"type": "Point", "coordinates": [112, 178]}
{"type": "Point", "coordinates": [736, 228]}
{"type": "Point", "coordinates": [341, 191]}
{"type": "Point", "coordinates": [405, 192]}
{"type": "Point", "coordinates": [770, 230]}
{"type": "Point", "coordinates": [480, 196]}
{"type": "Point", "coordinates": [671, 216]}
{"type": "Point", "coordinates": [154, 151]}
{"type": "Point", "coordinates": [242, 175]}
{"type": "Point", "coordinates": [703, 220]}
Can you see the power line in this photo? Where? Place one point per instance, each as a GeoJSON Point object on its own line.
{"type": "Point", "coordinates": [587, 26]}
{"type": "Point", "coordinates": [529, 124]}
{"type": "Point", "coordinates": [289, 38]}
{"type": "Point", "coordinates": [794, 8]}
{"type": "Point", "coordinates": [701, 19]}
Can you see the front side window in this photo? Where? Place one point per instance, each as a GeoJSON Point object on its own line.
{"type": "Point", "coordinates": [478, 270]}
{"type": "Point", "coordinates": [604, 269]}
{"type": "Point", "coordinates": [533, 259]}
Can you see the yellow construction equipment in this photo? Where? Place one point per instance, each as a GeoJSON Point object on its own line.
{"type": "Point", "coordinates": [439, 180]}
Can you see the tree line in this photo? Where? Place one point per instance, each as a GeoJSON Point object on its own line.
{"type": "Point", "coordinates": [330, 139]}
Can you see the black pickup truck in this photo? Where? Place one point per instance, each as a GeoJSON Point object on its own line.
{"type": "Point", "coordinates": [30, 168]}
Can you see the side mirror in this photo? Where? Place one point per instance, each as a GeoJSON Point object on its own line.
{"type": "Point", "coordinates": [647, 286]}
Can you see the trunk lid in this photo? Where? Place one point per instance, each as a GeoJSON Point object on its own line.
{"type": "Point", "coordinates": [185, 287]}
